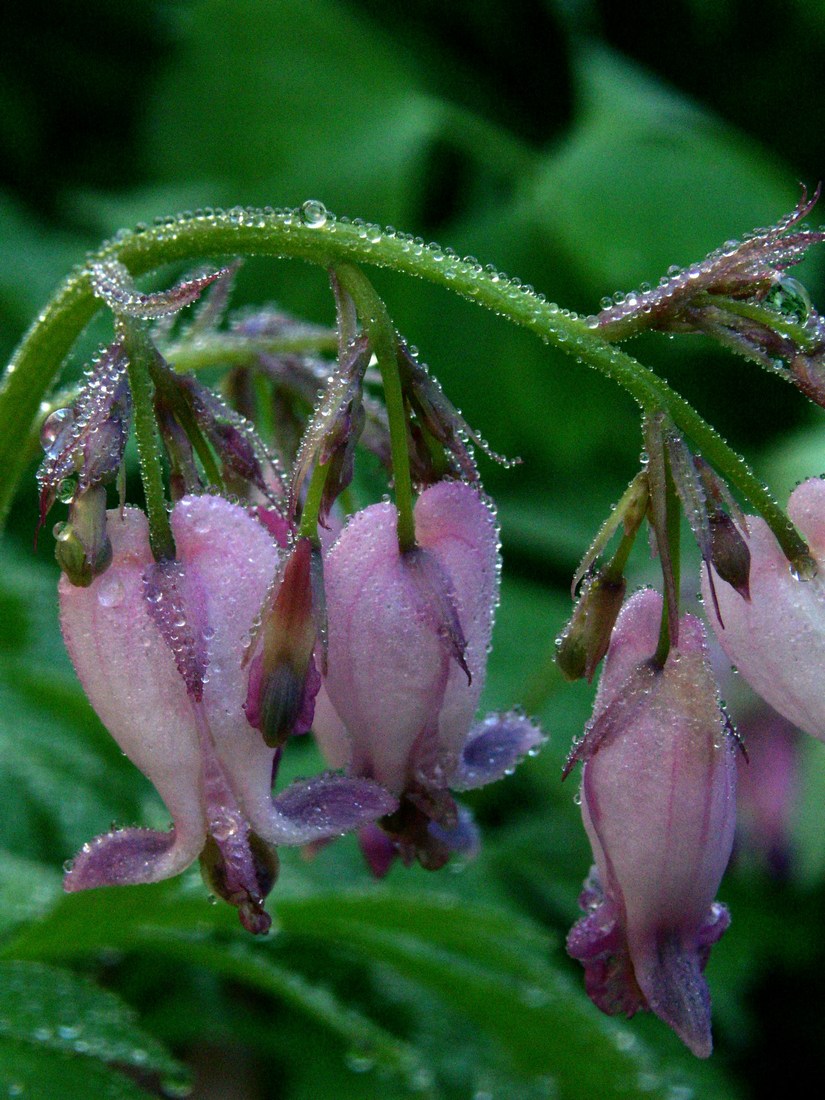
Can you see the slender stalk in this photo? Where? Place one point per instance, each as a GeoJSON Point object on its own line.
{"type": "Point", "coordinates": [384, 344]}
{"type": "Point", "coordinates": [327, 241]}
{"type": "Point", "coordinates": [221, 349]}
{"type": "Point", "coordinates": [148, 444]}
{"type": "Point", "coordinates": [669, 631]}
{"type": "Point", "coordinates": [308, 527]}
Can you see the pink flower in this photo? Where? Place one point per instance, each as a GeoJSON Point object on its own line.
{"type": "Point", "coordinates": [777, 639]}
{"type": "Point", "coordinates": [408, 640]}
{"type": "Point", "coordinates": [158, 647]}
{"type": "Point", "coordinates": [658, 801]}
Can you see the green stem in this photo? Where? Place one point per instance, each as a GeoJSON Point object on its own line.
{"type": "Point", "coordinates": [763, 315]}
{"type": "Point", "coordinates": [328, 242]}
{"type": "Point", "coordinates": [139, 351]}
{"type": "Point", "coordinates": [227, 349]}
{"type": "Point", "coordinates": [384, 344]}
{"type": "Point", "coordinates": [308, 527]}
{"type": "Point", "coordinates": [668, 631]}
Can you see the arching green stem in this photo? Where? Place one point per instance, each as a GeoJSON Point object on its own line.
{"type": "Point", "coordinates": [328, 242]}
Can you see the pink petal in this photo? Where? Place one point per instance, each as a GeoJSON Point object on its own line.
{"type": "Point", "coordinates": [777, 640]}
{"type": "Point", "coordinates": [404, 700]}
{"type": "Point", "coordinates": [130, 678]}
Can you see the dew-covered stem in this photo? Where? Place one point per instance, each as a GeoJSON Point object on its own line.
{"type": "Point", "coordinates": [140, 351]}
{"type": "Point", "coordinates": [384, 343]}
{"type": "Point", "coordinates": [312, 234]}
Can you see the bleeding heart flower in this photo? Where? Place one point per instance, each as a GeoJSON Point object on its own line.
{"type": "Point", "coordinates": [408, 640]}
{"type": "Point", "coordinates": [777, 639]}
{"type": "Point", "coordinates": [658, 801]}
{"type": "Point", "coordinates": [159, 649]}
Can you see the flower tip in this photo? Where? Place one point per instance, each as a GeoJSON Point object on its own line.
{"type": "Point", "coordinates": [677, 992]}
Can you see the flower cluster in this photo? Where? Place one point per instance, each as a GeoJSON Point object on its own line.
{"type": "Point", "coordinates": [208, 634]}
{"type": "Point", "coordinates": [255, 601]}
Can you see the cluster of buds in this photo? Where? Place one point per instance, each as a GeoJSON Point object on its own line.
{"type": "Point", "coordinates": [741, 296]}
{"type": "Point", "coordinates": [206, 635]}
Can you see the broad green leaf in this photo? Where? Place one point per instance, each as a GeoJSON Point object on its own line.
{"type": "Point", "coordinates": [487, 965]}
{"type": "Point", "coordinates": [291, 101]}
{"type": "Point", "coordinates": [56, 1012]}
{"type": "Point", "coordinates": [647, 179]}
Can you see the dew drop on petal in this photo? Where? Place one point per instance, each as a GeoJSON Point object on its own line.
{"type": "Point", "coordinates": [110, 591]}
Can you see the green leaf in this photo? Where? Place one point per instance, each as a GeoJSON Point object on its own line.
{"type": "Point", "coordinates": [27, 889]}
{"type": "Point", "coordinates": [647, 179]}
{"type": "Point", "coordinates": [487, 965]}
{"type": "Point", "coordinates": [302, 100]}
{"type": "Point", "coordinates": [45, 1074]}
{"type": "Point", "coordinates": [54, 1012]}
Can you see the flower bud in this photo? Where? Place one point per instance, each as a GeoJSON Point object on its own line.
{"type": "Point", "coordinates": [585, 639]}
{"type": "Point", "coordinates": [658, 805]}
{"type": "Point", "coordinates": [82, 546]}
{"type": "Point", "coordinates": [408, 639]}
{"type": "Point", "coordinates": [777, 639]}
{"type": "Point", "coordinates": [283, 681]}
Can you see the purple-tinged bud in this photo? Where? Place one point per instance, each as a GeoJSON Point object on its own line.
{"type": "Point", "coordinates": [82, 545]}
{"type": "Point", "coordinates": [658, 802]}
{"type": "Point", "coordinates": [187, 408]}
{"type": "Point", "coordinates": [158, 647]}
{"type": "Point", "coordinates": [585, 638]}
{"type": "Point", "coordinates": [283, 680]}
{"type": "Point", "coordinates": [745, 269]}
{"type": "Point", "coordinates": [730, 556]}
{"type": "Point", "coordinates": [112, 282]}
{"type": "Point", "coordinates": [777, 639]}
{"type": "Point", "coordinates": [335, 428]}
{"type": "Point", "coordinates": [701, 492]}
{"type": "Point", "coordinates": [88, 440]}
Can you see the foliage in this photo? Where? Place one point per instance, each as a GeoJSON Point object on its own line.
{"type": "Point", "coordinates": [588, 167]}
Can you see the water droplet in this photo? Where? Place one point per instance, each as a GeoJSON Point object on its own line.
{"type": "Point", "coordinates": [314, 214]}
{"type": "Point", "coordinates": [66, 489]}
{"type": "Point", "coordinates": [110, 591]}
{"type": "Point", "coordinates": [53, 425]}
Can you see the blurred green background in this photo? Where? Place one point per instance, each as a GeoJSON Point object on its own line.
{"type": "Point", "coordinates": [583, 147]}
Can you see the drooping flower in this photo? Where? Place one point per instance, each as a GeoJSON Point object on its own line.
{"type": "Point", "coordinates": [777, 639]}
{"type": "Point", "coordinates": [658, 801]}
{"type": "Point", "coordinates": [408, 639]}
{"type": "Point", "coordinates": [159, 648]}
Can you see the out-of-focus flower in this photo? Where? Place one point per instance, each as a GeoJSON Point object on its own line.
{"type": "Point", "coordinates": [408, 640]}
{"type": "Point", "coordinates": [159, 648]}
{"type": "Point", "coordinates": [658, 801]}
{"type": "Point", "coordinates": [777, 638]}
{"type": "Point", "coordinates": [768, 786]}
